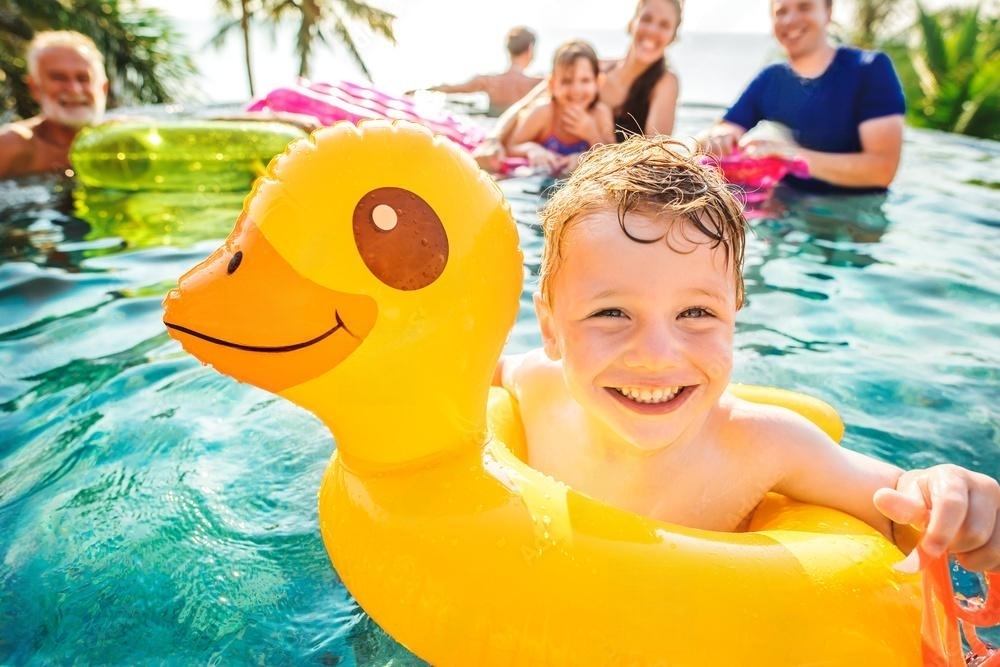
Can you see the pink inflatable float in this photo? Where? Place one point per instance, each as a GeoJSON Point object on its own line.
{"type": "Point", "coordinates": [758, 175]}
{"type": "Point", "coordinates": [354, 102]}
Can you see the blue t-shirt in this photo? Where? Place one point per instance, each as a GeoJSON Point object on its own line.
{"type": "Point", "coordinates": [824, 113]}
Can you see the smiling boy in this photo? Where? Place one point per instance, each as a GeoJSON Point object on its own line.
{"type": "Point", "coordinates": [628, 402]}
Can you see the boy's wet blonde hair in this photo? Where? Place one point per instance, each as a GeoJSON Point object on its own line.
{"type": "Point", "coordinates": [656, 177]}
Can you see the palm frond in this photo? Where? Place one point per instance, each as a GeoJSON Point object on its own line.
{"type": "Point", "coordinates": [934, 50]}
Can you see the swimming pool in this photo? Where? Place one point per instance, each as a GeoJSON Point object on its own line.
{"type": "Point", "coordinates": [154, 511]}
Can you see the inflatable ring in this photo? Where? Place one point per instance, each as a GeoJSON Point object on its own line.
{"type": "Point", "coordinates": [758, 176]}
{"type": "Point", "coordinates": [372, 279]}
{"type": "Point", "coordinates": [178, 154]}
{"type": "Point", "coordinates": [354, 102]}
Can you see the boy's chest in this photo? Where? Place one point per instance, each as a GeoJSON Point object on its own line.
{"type": "Point", "coordinates": [707, 493]}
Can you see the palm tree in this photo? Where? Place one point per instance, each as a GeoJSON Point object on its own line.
{"type": "Point", "coordinates": [140, 47]}
{"type": "Point", "coordinates": [871, 18]}
{"type": "Point", "coordinates": [242, 19]}
{"type": "Point", "coordinates": [325, 20]}
{"type": "Point", "coordinates": [956, 63]}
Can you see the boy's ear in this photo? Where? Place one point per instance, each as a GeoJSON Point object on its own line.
{"type": "Point", "coordinates": [546, 322]}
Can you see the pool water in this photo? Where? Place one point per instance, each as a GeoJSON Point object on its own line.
{"type": "Point", "coordinates": [154, 511]}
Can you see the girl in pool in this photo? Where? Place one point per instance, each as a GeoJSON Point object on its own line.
{"type": "Point", "coordinates": [553, 134]}
{"type": "Point", "coordinates": [640, 87]}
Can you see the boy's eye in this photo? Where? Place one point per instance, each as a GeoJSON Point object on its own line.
{"type": "Point", "coordinates": [695, 313]}
{"type": "Point", "coordinates": [609, 312]}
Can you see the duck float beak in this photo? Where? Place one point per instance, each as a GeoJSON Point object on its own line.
{"type": "Point", "coordinates": [259, 320]}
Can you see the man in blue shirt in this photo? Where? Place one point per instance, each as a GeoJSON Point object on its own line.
{"type": "Point", "coordinates": [844, 107]}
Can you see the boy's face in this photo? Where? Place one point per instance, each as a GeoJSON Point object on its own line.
{"type": "Point", "coordinates": [644, 331]}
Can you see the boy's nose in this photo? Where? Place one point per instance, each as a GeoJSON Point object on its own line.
{"type": "Point", "coordinates": [655, 345]}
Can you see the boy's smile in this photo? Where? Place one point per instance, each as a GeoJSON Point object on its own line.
{"type": "Point", "coordinates": [642, 329]}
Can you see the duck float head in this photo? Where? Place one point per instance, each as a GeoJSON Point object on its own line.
{"type": "Point", "coordinates": [373, 278]}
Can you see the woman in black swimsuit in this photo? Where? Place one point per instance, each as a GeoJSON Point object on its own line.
{"type": "Point", "coordinates": [640, 87]}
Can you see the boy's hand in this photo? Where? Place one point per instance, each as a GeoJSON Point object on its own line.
{"type": "Point", "coordinates": [957, 510]}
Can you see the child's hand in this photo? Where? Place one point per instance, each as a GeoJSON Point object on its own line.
{"type": "Point", "coordinates": [956, 509]}
{"type": "Point", "coordinates": [489, 155]}
{"type": "Point", "coordinates": [543, 159]}
{"type": "Point", "coordinates": [578, 122]}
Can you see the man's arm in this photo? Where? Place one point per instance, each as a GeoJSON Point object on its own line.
{"type": "Point", "coordinates": [874, 166]}
{"type": "Point", "coordinates": [15, 151]}
{"type": "Point", "coordinates": [476, 84]}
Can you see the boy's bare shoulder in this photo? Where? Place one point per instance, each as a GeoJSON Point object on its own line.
{"type": "Point", "coordinates": [532, 361]}
{"type": "Point", "coordinates": [767, 425]}
{"type": "Point", "coordinates": [527, 369]}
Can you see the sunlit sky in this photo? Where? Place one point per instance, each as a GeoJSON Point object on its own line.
{"type": "Point", "coordinates": [423, 15]}
{"type": "Point", "coordinates": [700, 15]}
{"type": "Point", "coordinates": [449, 40]}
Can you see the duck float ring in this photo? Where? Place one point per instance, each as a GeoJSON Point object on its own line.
{"type": "Point", "coordinates": [372, 278]}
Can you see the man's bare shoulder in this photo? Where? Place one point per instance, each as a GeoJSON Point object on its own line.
{"type": "Point", "coordinates": [17, 148]}
{"type": "Point", "coordinates": [18, 132]}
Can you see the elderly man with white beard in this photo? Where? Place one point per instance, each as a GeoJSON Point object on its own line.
{"type": "Point", "coordinates": [66, 77]}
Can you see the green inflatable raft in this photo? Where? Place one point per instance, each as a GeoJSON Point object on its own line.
{"type": "Point", "coordinates": [178, 155]}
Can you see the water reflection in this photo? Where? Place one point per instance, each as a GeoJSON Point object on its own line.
{"type": "Point", "coordinates": [178, 503]}
{"type": "Point", "coordinates": [62, 226]}
{"type": "Point", "coordinates": [838, 228]}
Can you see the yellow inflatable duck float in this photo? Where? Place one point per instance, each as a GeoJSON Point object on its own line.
{"type": "Point", "coordinates": [372, 279]}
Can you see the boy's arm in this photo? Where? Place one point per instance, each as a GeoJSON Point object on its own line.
{"type": "Point", "coordinates": [812, 468]}
{"type": "Point", "coordinates": [951, 508]}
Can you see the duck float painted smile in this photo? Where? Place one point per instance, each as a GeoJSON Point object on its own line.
{"type": "Point", "coordinates": [372, 278]}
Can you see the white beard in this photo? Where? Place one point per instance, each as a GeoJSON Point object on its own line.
{"type": "Point", "coordinates": [73, 115]}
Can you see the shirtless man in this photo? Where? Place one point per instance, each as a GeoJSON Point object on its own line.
{"type": "Point", "coordinates": [66, 77]}
{"type": "Point", "coordinates": [507, 87]}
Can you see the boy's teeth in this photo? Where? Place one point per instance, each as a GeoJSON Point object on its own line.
{"type": "Point", "coordinates": [661, 395]}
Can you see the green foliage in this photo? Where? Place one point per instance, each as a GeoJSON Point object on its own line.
{"type": "Point", "coordinates": [949, 63]}
{"type": "Point", "coordinates": [870, 20]}
{"type": "Point", "coordinates": [142, 50]}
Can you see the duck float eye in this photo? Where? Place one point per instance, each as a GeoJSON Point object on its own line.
{"type": "Point", "coordinates": [235, 262]}
{"type": "Point", "coordinates": [400, 238]}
